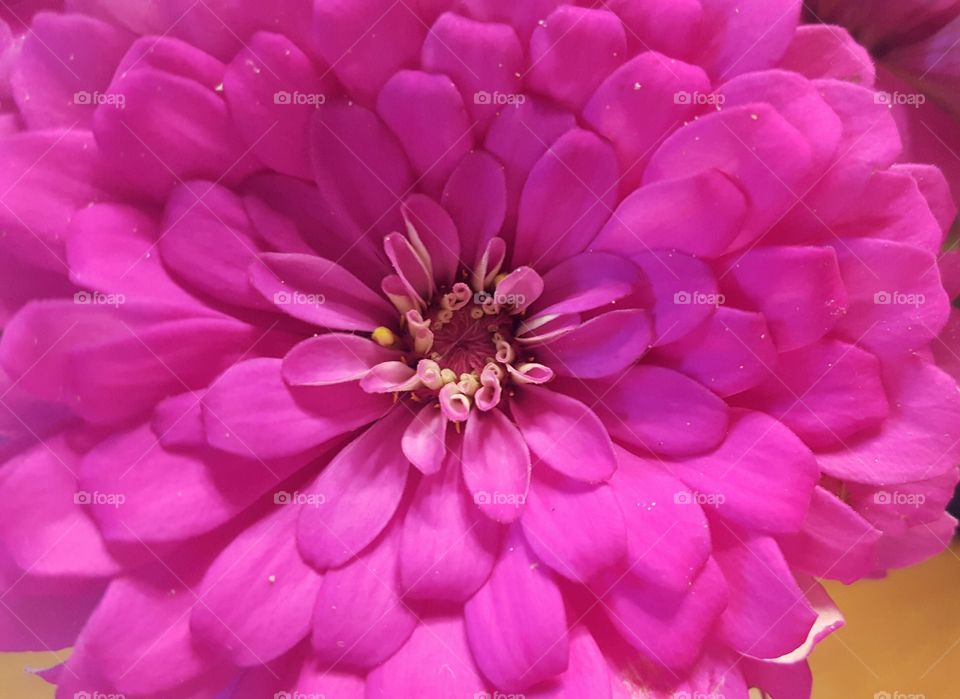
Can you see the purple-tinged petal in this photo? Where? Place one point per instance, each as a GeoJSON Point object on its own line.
{"type": "Point", "coordinates": [304, 417]}
{"type": "Point", "coordinates": [258, 593]}
{"type": "Point", "coordinates": [603, 346]}
{"type": "Point", "coordinates": [319, 292]}
{"type": "Point", "coordinates": [516, 623]}
{"type": "Point", "coordinates": [359, 619]}
{"type": "Point", "coordinates": [361, 489]}
{"type": "Point", "coordinates": [496, 465]}
{"type": "Point", "coordinates": [448, 546]}
{"type": "Point", "coordinates": [332, 358]}
{"type": "Point", "coordinates": [575, 528]}
{"type": "Point", "coordinates": [564, 434]}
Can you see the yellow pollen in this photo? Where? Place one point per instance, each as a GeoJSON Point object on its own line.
{"type": "Point", "coordinates": [384, 336]}
{"type": "Point", "coordinates": [448, 376]}
{"type": "Point", "coordinates": [476, 313]}
{"type": "Point", "coordinates": [500, 277]}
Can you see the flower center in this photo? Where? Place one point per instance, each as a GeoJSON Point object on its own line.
{"type": "Point", "coordinates": [458, 342]}
{"type": "Point", "coordinates": [469, 335]}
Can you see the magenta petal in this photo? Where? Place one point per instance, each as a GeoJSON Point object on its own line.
{"type": "Point", "coordinates": [64, 60]}
{"type": "Point", "coordinates": [208, 242]}
{"type": "Point", "coordinates": [730, 352]}
{"type": "Point", "coordinates": [172, 495]}
{"type": "Point", "coordinates": [410, 266]}
{"type": "Point", "coordinates": [496, 465]}
{"type": "Point", "coordinates": [304, 416]}
{"type": "Point", "coordinates": [482, 58]}
{"type": "Point", "coordinates": [766, 155]}
{"type": "Point", "coordinates": [569, 194]}
{"type": "Point", "coordinates": [359, 619]}
{"type": "Point", "coordinates": [828, 51]}
{"type": "Point", "coordinates": [361, 488]}
{"type": "Point", "coordinates": [435, 662]}
{"type": "Point", "coordinates": [768, 615]}
{"type": "Point", "coordinates": [668, 537]}
{"type": "Point", "coordinates": [448, 546]}
{"type": "Point", "coordinates": [894, 208]}
{"type": "Point", "coordinates": [576, 529]}
{"type": "Point", "coordinates": [835, 543]}
{"type": "Point", "coordinates": [666, 630]}
{"type": "Point", "coordinates": [174, 127]}
{"type": "Point", "coordinates": [646, 219]}
{"type": "Point", "coordinates": [360, 169]}
{"type": "Point", "coordinates": [797, 100]}
{"type": "Point", "coordinates": [424, 442]}
{"type": "Point", "coordinates": [519, 136]}
{"type": "Point", "coordinates": [178, 421]}
{"type": "Point", "coordinates": [781, 680]}
{"type": "Point", "coordinates": [516, 622]}
{"type": "Point", "coordinates": [799, 290]}
{"type": "Point", "coordinates": [137, 658]}
{"type": "Point", "coordinates": [827, 393]}
{"type": "Point", "coordinates": [366, 42]}
{"type": "Point", "coordinates": [315, 679]}
{"type": "Point", "coordinates": [429, 119]}
{"type": "Point", "coordinates": [603, 346]}
{"type": "Point", "coordinates": [660, 410]}
{"type": "Point", "coordinates": [111, 248]}
{"type": "Point", "coordinates": [746, 38]}
{"type": "Point", "coordinates": [762, 476]}
{"type": "Point", "coordinates": [587, 675]}
{"type": "Point", "coordinates": [573, 50]}
{"type": "Point", "coordinates": [918, 441]}
{"type": "Point", "coordinates": [124, 377]}
{"type": "Point", "coordinates": [58, 540]}
{"type": "Point", "coordinates": [273, 89]}
{"type": "Point", "coordinates": [564, 434]}
{"type": "Point", "coordinates": [428, 223]}
{"type": "Point", "coordinates": [258, 593]}
{"type": "Point", "coordinates": [620, 111]}
{"type": "Point", "coordinates": [586, 282]}
{"type": "Point", "coordinates": [332, 358]}
{"type": "Point", "coordinates": [46, 178]}
{"type": "Point", "coordinates": [320, 292]}
{"type": "Point", "coordinates": [897, 302]}
{"type": "Point", "coordinates": [475, 197]}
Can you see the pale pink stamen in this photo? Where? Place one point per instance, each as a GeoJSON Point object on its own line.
{"type": "Point", "coordinates": [455, 405]}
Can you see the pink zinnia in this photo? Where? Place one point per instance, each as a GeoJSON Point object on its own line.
{"type": "Point", "coordinates": [366, 349]}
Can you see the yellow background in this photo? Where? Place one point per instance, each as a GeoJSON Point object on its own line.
{"type": "Point", "coordinates": [902, 635]}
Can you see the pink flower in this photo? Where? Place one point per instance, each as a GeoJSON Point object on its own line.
{"type": "Point", "coordinates": [368, 349]}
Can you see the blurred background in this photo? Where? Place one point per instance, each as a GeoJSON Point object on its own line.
{"type": "Point", "coordinates": [901, 641]}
